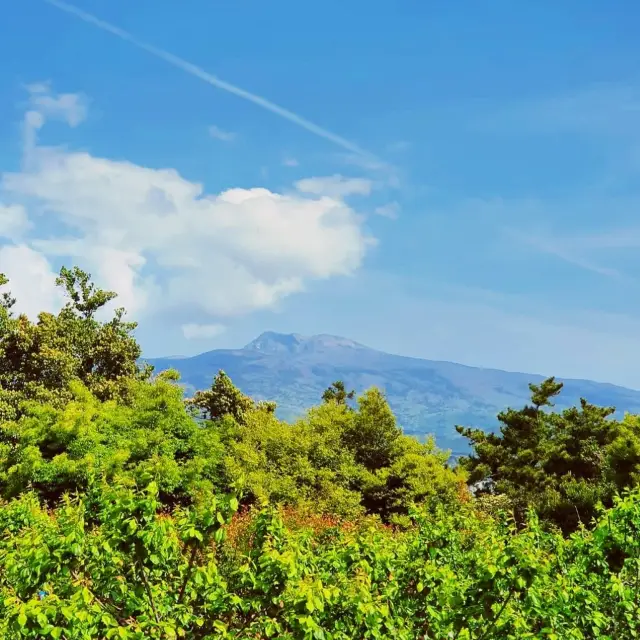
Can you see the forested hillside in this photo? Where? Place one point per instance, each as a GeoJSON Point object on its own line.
{"type": "Point", "coordinates": [427, 397]}
{"type": "Point", "coordinates": [128, 512]}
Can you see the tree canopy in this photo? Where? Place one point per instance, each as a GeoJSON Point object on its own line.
{"type": "Point", "coordinates": [39, 360]}
{"type": "Point", "coordinates": [128, 511]}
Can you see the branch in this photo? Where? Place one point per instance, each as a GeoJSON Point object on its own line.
{"type": "Point", "coordinates": [148, 589]}
{"type": "Point", "coordinates": [495, 620]}
{"type": "Point", "coordinates": [192, 558]}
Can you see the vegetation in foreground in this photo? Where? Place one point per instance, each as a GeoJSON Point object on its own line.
{"type": "Point", "coordinates": [126, 512]}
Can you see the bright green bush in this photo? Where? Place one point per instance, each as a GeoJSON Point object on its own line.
{"type": "Point", "coordinates": [116, 564]}
{"type": "Point", "coordinates": [55, 450]}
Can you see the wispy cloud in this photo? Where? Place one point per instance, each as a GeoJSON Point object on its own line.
{"type": "Point", "coordinates": [564, 250]}
{"type": "Point", "coordinates": [290, 162]}
{"type": "Point", "coordinates": [389, 210]}
{"type": "Point", "coordinates": [214, 81]}
{"type": "Point", "coordinates": [335, 186]}
{"type": "Point", "coordinates": [590, 252]}
{"type": "Point", "coordinates": [44, 104]}
{"type": "Point", "coordinates": [398, 146]}
{"type": "Point", "coordinates": [194, 331]}
{"type": "Point", "coordinates": [69, 107]}
{"type": "Point", "coordinates": [600, 109]}
{"type": "Point", "coordinates": [384, 171]}
{"type": "Point", "coordinates": [221, 134]}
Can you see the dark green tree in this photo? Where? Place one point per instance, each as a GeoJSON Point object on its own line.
{"type": "Point", "coordinates": [337, 392]}
{"type": "Point", "coordinates": [223, 398]}
{"type": "Point", "coordinates": [554, 462]}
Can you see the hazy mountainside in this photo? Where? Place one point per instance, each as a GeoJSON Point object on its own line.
{"type": "Point", "coordinates": [428, 397]}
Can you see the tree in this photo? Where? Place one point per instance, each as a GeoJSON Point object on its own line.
{"type": "Point", "coordinates": [55, 450]}
{"type": "Point", "coordinates": [39, 360]}
{"type": "Point", "coordinates": [418, 473]}
{"type": "Point", "coordinates": [6, 299]}
{"type": "Point", "coordinates": [223, 398]}
{"type": "Point", "coordinates": [373, 432]}
{"type": "Point", "coordinates": [337, 393]}
{"type": "Point", "coordinates": [556, 463]}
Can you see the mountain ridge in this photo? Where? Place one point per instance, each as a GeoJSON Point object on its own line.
{"type": "Point", "coordinates": [428, 396]}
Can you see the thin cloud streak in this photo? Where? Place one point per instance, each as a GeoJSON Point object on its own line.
{"type": "Point", "coordinates": [563, 250]}
{"type": "Point", "coordinates": [214, 81]}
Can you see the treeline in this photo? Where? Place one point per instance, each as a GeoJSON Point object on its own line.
{"type": "Point", "coordinates": [128, 512]}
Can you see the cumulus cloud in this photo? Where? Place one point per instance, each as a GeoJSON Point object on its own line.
{"type": "Point", "coordinates": [221, 134]}
{"type": "Point", "coordinates": [202, 331]}
{"type": "Point", "coordinates": [335, 186]}
{"type": "Point", "coordinates": [13, 221]}
{"type": "Point", "coordinates": [162, 242]}
{"type": "Point", "coordinates": [31, 279]}
{"type": "Point", "coordinates": [229, 253]}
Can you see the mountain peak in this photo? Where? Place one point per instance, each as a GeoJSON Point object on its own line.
{"type": "Point", "coordinates": [272, 342]}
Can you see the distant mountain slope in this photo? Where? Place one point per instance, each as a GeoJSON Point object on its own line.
{"type": "Point", "coordinates": [428, 397]}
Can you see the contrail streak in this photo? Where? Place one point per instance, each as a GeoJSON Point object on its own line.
{"type": "Point", "coordinates": [197, 72]}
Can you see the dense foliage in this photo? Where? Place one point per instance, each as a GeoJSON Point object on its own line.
{"type": "Point", "coordinates": [128, 512]}
{"type": "Point", "coordinates": [562, 464]}
{"type": "Point", "coordinates": [40, 360]}
{"type": "Point", "coordinates": [115, 564]}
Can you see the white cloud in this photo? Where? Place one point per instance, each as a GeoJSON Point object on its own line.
{"type": "Point", "coordinates": [44, 105]}
{"type": "Point", "coordinates": [31, 280]}
{"type": "Point", "coordinates": [290, 162]}
{"type": "Point", "coordinates": [221, 134]}
{"type": "Point", "coordinates": [335, 186]}
{"type": "Point", "coordinates": [202, 331]}
{"type": "Point", "coordinates": [384, 172]}
{"type": "Point", "coordinates": [13, 221]}
{"type": "Point", "coordinates": [68, 107]}
{"type": "Point", "coordinates": [389, 210]}
{"type": "Point", "coordinates": [160, 241]}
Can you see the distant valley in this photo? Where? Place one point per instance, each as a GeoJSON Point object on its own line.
{"type": "Point", "coordinates": [428, 397]}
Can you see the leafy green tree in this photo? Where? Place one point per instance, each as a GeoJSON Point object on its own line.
{"type": "Point", "coordinates": [303, 464]}
{"type": "Point", "coordinates": [337, 460]}
{"type": "Point", "coordinates": [55, 450]}
{"type": "Point", "coordinates": [337, 392]}
{"type": "Point", "coordinates": [558, 463]}
{"type": "Point", "coordinates": [111, 564]}
{"type": "Point", "coordinates": [39, 360]}
{"type": "Point", "coordinates": [418, 473]}
{"type": "Point", "coordinates": [225, 399]}
{"type": "Point", "coordinates": [373, 432]}
{"type": "Point", "coordinates": [6, 299]}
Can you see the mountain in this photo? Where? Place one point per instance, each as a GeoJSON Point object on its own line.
{"type": "Point", "coordinates": [428, 397]}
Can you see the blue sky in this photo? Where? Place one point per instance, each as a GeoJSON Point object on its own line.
{"type": "Point", "coordinates": [464, 185]}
